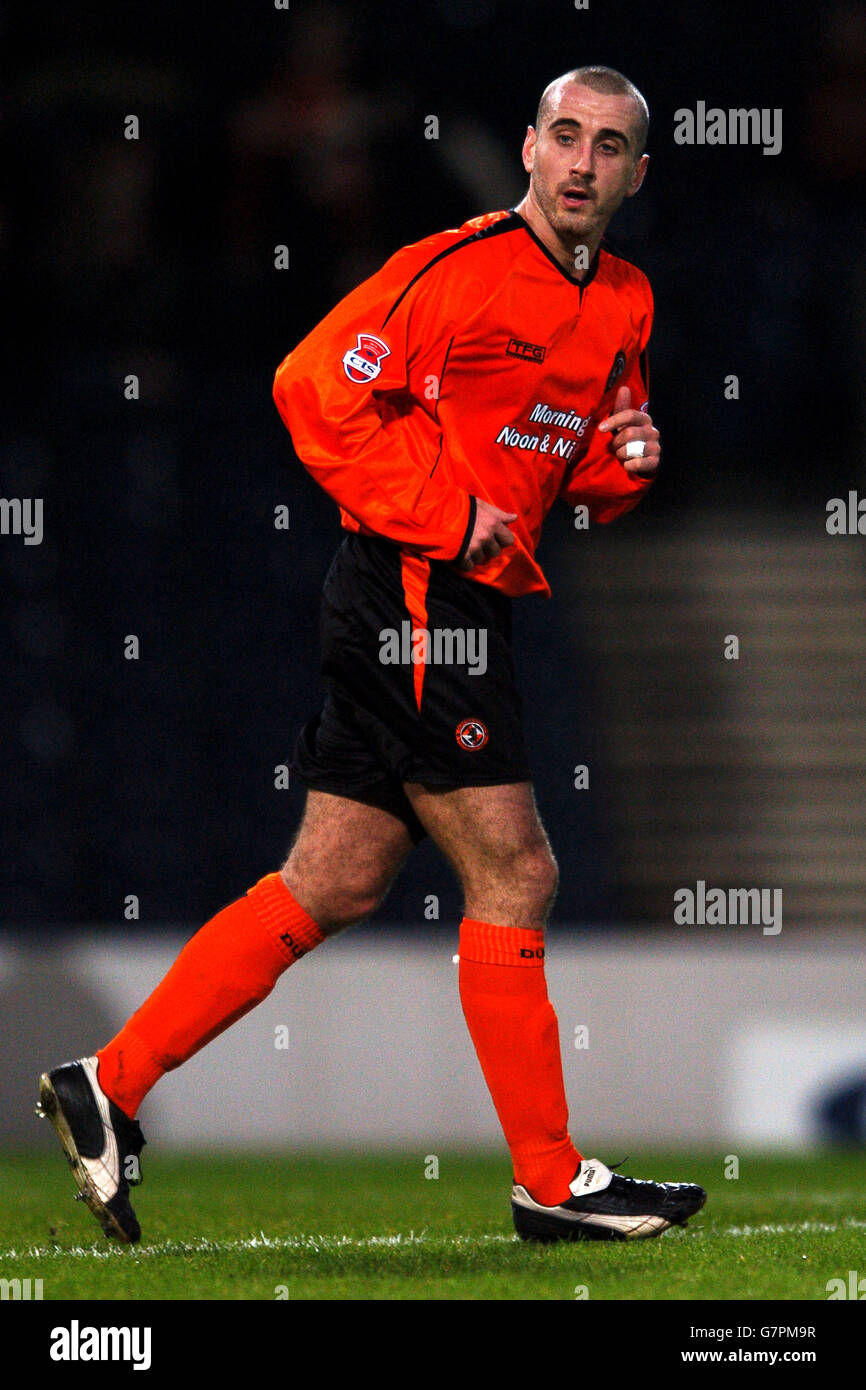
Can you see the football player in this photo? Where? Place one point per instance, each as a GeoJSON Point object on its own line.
{"type": "Point", "coordinates": [444, 405]}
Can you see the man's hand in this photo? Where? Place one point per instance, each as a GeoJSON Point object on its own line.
{"type": "Point", "coordinates": [490, 535]}
{"type": "Point", "coordinates": [625, 425]}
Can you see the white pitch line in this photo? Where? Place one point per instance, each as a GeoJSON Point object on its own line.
{"type": "Point", "coordinates": [297, 1244]}
{"type": "Point", "coordinates": [799, 1228]}
{"type": "Point", "coordinates": [423, 1240]}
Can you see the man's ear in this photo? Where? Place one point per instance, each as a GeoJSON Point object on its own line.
{"type": "Point", "coordinates": [639, 175]}
{"type": "Point", "coordinates": [529, 149]}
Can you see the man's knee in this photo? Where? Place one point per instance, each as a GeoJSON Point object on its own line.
{"type": "Point", "coordinates": [525, 874]}
{"type": "Point", "coordinates": [539, 874]}
{"type": "Point", "coordinates": [335, 905]}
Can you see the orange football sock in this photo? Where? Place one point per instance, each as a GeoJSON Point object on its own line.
{"type": "Point", "coordinates": [228, 967]}
{"type": "Point", "coordinates": [513, 1026]}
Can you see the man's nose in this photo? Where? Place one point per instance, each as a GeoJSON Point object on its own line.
{"type": "Point", "coordinates": [582, 159]}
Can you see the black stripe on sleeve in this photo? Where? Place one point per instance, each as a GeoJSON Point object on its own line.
{"type": "Point", "coordinates": [470, 527]}
{"type": "Point", "coordinates": [442, 378]}
{"type": "Point", "coordinates": [511, 223]}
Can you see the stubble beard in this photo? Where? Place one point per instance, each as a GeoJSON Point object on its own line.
{"type": "Point", "coordinates": [567, 228]}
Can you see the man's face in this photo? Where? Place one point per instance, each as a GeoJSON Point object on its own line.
{"type": "Point", "coordinates": [583, 161]}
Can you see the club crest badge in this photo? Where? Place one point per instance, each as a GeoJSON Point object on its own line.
{"type": "Point", "coordinates": [472, 734]}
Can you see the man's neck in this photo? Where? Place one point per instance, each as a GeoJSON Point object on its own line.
{"type": "Point", "coordinates": [566, 255]}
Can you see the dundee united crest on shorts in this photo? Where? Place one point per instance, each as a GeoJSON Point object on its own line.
{"type": "Point", "coordinates": [363, 362]}
{"type": "Point", "coordinates": [472, 734]}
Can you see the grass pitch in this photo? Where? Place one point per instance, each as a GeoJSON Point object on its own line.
{"type": "Point", "coordinates": [370, 1228]}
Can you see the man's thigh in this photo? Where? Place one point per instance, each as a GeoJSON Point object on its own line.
{"type": "Point", "coordinates": [345, 856]}
{"type": "Point", "coordinates": [478, 820]}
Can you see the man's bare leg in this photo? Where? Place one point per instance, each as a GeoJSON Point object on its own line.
{"type": "Point", "coordinates": [344, 859]}
{"type": "Point", "coordinates": [495, 841]}
{"type": "Point", "coordinates": [341, 864]}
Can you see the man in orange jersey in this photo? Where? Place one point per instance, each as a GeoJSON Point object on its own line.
{"type": "Point", "coordinates": [445, 405]}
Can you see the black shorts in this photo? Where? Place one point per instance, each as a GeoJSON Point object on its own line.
{"type": "Point", "coordinates": [389, 717]}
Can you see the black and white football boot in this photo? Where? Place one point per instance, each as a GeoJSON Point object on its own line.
{"type": "Point", "coordinates": [101, 1143]}
{"type": "Point", "coordinates": [605, 1206]}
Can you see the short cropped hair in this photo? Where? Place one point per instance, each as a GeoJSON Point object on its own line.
{"type": "Point", "coordinates": [608, 81]}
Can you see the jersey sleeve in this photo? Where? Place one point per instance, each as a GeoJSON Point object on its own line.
{"type": "Point", "coordinates": [356, 396]}
{"type": "Point", "coordinates": [597, 479]}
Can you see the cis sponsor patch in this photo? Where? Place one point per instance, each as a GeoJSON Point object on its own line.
{"type": "Point", "coordinates": [363, 362]}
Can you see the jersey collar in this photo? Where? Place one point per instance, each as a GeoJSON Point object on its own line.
{"type": "Point", "coordinates": [572, 279]}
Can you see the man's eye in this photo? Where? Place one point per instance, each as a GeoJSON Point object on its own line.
{"type": "Point", "coordinates": [609, 149]}
{"type": "Point", "coordinates": [565, 139]}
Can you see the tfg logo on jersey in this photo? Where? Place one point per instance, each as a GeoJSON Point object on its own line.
{"type": "Point", "coordinates": [528, 352]}
{"type": "Point", "coordinates": [363, 362]}
{"type": "Point", "coordinates": [616, 370]}
{"type": "Point", "coordinates": [471, 734]}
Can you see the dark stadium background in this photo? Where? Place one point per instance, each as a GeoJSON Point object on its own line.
{"type": "Point", "coordinates": [155, 257]}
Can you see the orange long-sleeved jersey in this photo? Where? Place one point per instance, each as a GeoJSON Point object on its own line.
{"type": "Point", "coordinates": [471, 365]}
